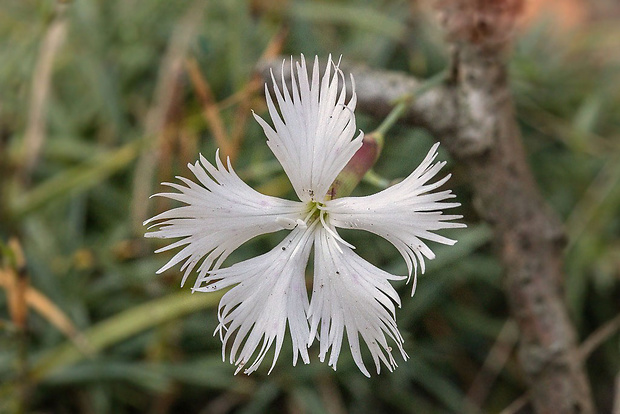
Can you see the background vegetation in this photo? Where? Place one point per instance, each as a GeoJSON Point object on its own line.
{"type": "Point", "coordinates": [101, 100]}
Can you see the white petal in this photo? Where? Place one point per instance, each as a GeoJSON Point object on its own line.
{"type": "Point", "coordinates": [269, 291]}
{"type": "Point", "coordinates": [221, 213]}
{"type": "Point", "coordinates": [349, 294]}
{"type": "Point", "coordinates": [405, 214]}
{"type": "Point", "coordinates": [314, 128]}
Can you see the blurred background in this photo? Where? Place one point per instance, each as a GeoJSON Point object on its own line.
{"type": "Point", "coordinates": [101, 100]}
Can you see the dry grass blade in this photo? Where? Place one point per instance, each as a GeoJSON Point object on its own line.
{"type": "Point", "coordinates": [34, 137]}
{"type": "Point", "coordinates": [21, 296]}
{"type": "Point", "coordinates": [242, 113]}
{"type": "Point", "coordinates": [517, 405]}
{"type": "Point", "coordinates": [32, 298]}
{"type": "Point", "coordinates": [210, 109]}
{"type": "Point", "coordinates": [598, 337]}
{"type": "Point", "coordinates": [54, 315]}
{"type": "Point", "coordinates": [273, 49]}
{"type": "Point", "coordinates": [167, 83]}
{"type": "Point", "coordinates": [15, 281]}
{"type": "Point", "coordinates": [16, 287]}
{"type": "Point", "coordinates": [494, 363]}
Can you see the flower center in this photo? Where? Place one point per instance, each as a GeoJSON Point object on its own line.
{"type": "Point", "coordinates": [318, 213]}
{"type": "Point", "coordinates": [315, 212]}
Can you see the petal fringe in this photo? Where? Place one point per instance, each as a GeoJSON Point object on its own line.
{"type": "Point", "coordinates": [221, 213]}
{"type": "Point", "coordinates": [349, 294]}
{"type": "Point", "coordinates": [268, 291]}
{"type": "Point", "coordinates": [314, 128]}
{"type": "Point", "coordinates": [405, 214]}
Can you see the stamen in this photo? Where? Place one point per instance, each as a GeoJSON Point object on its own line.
{"type": "Point", "coordinates": [333, 233]}
{"type": "Point", "coordinates": [311, 213]}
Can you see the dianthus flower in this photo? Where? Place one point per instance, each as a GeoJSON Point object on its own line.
{"type": "Point", "coordinates": [313, 138]}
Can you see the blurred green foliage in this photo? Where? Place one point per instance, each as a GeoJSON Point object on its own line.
{"type": "Point", "coordinates": [119, 117]}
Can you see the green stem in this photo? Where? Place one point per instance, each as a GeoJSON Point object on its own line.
{"type": "Point", "coordinates": [401, 106]}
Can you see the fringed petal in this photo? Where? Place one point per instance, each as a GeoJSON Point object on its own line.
{"type": "Point", "coordinates": [268, 292]}
{"type": "Point", "coordinates": [221, 213]}
{"type": "Point", "coordinates": [314, 127]}
{"type": "Point", "coordinates": [405, 214]}
{"type": "Point", "coordinates": [353, 296]}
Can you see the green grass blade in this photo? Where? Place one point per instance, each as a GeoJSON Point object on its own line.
{"type": "Point", "coordinates": [122, 326]}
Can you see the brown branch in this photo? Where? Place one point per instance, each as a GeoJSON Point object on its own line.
{"type": "Point", "coordinates": [528, 234]}
{"type": "Point", "coordinates": [472, 115]}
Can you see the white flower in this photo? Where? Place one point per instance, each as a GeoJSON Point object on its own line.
{"type": "Point", "coordinates": [313, 138]}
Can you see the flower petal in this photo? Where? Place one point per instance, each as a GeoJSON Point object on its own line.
{"type": "Point", "coordinates": [349, 294]}
{"type": "Point", "coordinates": [404, 214]}
{"type": "Point", "coordinates": [314, 130]}
{"type": "Point", "coordinates": [269, 291]}
{"type": "Point", "coordinates": [221, 213]}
